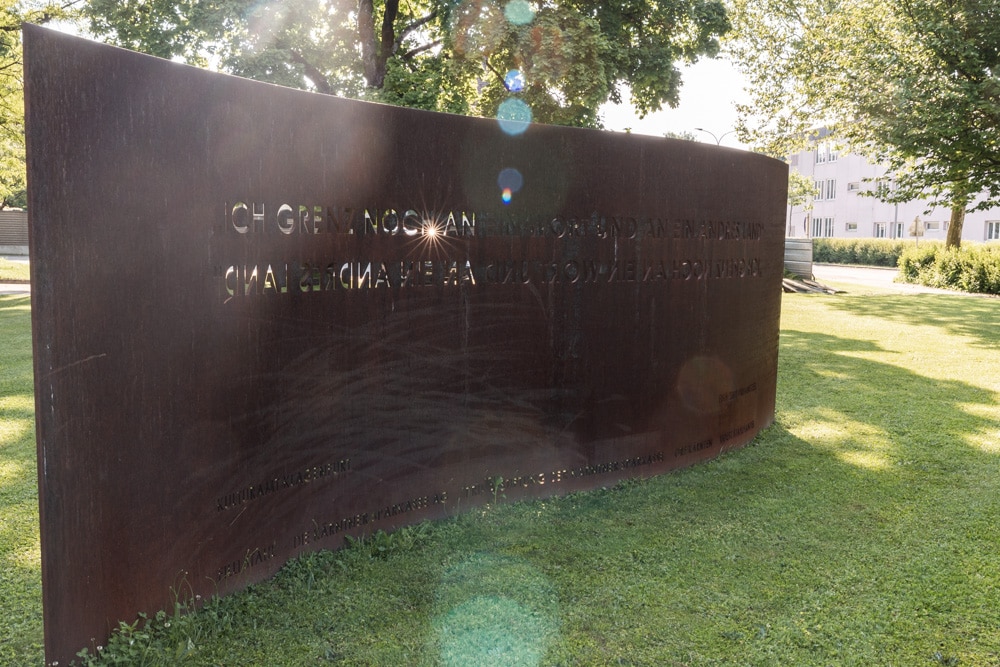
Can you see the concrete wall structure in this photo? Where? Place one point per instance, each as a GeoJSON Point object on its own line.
{"type": "Point", "coordinates": [13, 232]}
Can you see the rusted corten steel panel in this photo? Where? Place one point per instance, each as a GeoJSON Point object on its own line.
{"type": "Point", "coordinates": [265, 319]}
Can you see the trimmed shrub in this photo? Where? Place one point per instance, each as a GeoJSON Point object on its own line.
{"type": "Point", "coordinates": [914, 261]}
{"type": "Point", "coordinates": [867, 252]}
{"type": "Point", "coordinates": [972, 268]}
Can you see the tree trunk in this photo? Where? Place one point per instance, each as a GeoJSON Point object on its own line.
{"type": "Point", "coordinates": [312, 73]}
{"type": "Point", "coordinates": [369, 45]}
{"type": "Point", "coordinates": [954, 239]}
{"type": "Point", "coordinates": [376, 47]}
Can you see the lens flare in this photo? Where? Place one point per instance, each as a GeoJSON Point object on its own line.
{"type": "Point", "coordinates": [494, 610]}
{"type": "Point", "coordinates": [510, 179]}
{"type": "Point", "coordinates": [514, 80]}
{"type": "Point", "coordinates": [492, 631]}
{"type": "Point", "coordinates": [514, 116]}
{"type": "Point", "coordinates": [519, 12]}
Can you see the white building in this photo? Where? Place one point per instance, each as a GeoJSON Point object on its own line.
{"type": "Point", "coordinates": [839, 210]}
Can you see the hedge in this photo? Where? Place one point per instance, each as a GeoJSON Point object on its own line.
{"type": "Point", "coordinates": [975, 267]}
{"type": "Point", "coordinates": [867, 252]}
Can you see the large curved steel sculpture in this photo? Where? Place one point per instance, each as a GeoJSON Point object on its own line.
{"type": "Point", "coordinates": [265, 319]}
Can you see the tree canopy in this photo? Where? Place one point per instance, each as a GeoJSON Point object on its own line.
{"type": "Point", "coordinates": [913, 84]}
{"type": "Point", "coordinates": [12, 172]}
{"type": "Point", "coordinates": [12, 150]}
{"type": "Point", "coordinates": [561, 59]}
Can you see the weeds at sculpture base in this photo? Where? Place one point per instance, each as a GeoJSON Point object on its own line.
{"type": "Point", "coordinates": [860, 529]}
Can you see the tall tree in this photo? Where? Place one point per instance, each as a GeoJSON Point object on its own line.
{"type": "Point", "coordinates": [913, 84]}
{"type": "Point", "coordinates": [12, 153]}
{"type": "Point", "coordinates": [12, 169]}
{"type": "Point", "coordinates": [562, 59]}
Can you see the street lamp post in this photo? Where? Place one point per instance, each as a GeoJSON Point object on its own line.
{"type": "Point", "coordinates": [718, 139]}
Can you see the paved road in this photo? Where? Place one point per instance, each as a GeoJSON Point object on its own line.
{"type": "Point", "coordinates": [14, 288]}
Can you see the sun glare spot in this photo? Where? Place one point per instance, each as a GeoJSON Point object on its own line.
{"type": "Point", "coordinates": [514, 80]}
{"type": "Point", "coordinates": [510, 181]}
{"type": "Point", "coordinates": [494, 610]}
{"type": "Point", "coordinates": [514, 116]}
{"type": "Point", "coordinates": [519, 12]}
{"type": "Point", "coordinates": [434, 233]}
{"type": "Point", "coordinates": [863, 459]}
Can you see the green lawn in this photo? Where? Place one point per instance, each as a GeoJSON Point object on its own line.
{"type": "Point", "coordinates": [20, 573]}
{"type": "Point", "coordinates": [861, 529]}
{"type": "Point", "coordinates": [14, 271]}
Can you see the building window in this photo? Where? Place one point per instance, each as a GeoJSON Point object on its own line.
{"type": "Point", "coordinates": [896, 230]}
{"type": "Point", "coordinates": [878, 231]}
{"type": "Point", "coordinates": [826, 189]}
{"type": "Point", "coordinates": [932, 226]}
{"type": "Point", "coordinates": [993, 230]}
{"type": "Point", "coordinates": [883, 186]}
{"type": "Point", "coordinates": [851, 227]}
{"type": "Point", "coordinates": [825, 153]}
{"type": "Point", "coordinates": [853, 187]}
{"type": "Point", "coordinates": [822, 227]}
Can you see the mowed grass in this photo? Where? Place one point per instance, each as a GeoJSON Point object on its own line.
{"type": "Point", "coordinates": [20, 569]}
{"type": "Point", "coordinates": [861, 529]}
{"type": "Point", "coordinates": [14, 271]}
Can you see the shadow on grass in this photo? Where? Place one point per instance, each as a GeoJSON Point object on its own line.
{"type": "Point", "coordinates": [903, 418]}
{"type": "Point", "coordinates": [903, 508]}
{"type": "Point", "coordinates": [858, 530]}
{"type": "Point", "coordinates": [20, 573]}
{"type": "Point", "coordinates": [975, 318]}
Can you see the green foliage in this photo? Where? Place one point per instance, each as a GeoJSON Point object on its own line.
{"type": "Point", "coordinates": [381, 545]}
{"type": "Point", "coordinates": [435, 86]}
{"type": "Point", "coordinates": [801, 190]}
{"type": "Point", "coordinates": [912, 84]}
{"type": "Point", "coordinates": [147, 641]}
{"type": "Point", "coordinates": [12, 150]}
{"type": "Point", "coordinates": [442, 55]}
{"type": "Point", "coordinates": [684, 136]}
{"type": "Point", "coordinates": [974, 268]}
{"type": "Point", "coordinates": [20, 566]}
{"type": "Point", "coordinates": [866, 252]}
{"type": "Point", "coordinates": [12, 169]}
{"type": "Point", "coordinates": [162, 29]}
